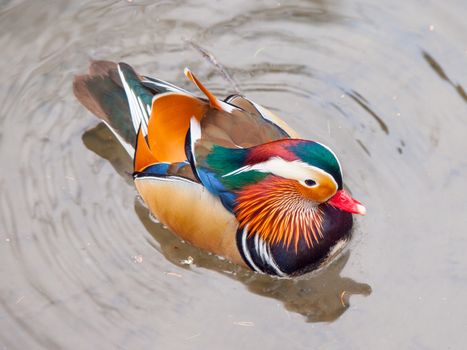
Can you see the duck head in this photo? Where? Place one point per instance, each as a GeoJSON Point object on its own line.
{"type": "Point", "coordinates": [282, 189]}
{"type": "Point", "coordinates": [310, 168]}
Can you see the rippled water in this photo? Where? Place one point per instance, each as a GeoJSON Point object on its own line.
{"type": "Point", "coordinates": [382, 82]}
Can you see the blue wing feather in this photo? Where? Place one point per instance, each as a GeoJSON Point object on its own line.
{"type": "Point", "coordinates": [211, 181]}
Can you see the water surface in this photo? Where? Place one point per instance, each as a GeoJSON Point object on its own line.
{"type": "Point", "coordinates": [383, 83]}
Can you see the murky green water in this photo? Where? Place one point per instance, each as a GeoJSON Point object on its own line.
{"type": "Point", "coordinates": [383, 83]}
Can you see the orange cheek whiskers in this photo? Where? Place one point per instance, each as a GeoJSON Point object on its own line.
{"type": "Point", "coordinates": [276, 211]}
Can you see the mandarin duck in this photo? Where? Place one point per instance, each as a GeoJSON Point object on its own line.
{"type": "Point", "coordinates": [228, 176]}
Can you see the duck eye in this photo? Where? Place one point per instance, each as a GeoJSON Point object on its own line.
{"type": "Point", "coordinates": [310, 182]}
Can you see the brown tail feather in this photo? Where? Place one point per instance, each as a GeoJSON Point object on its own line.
{"type": "Point", "coordinates": [102, 93]}
{"type": "Point", "coordinates": [98, 71]}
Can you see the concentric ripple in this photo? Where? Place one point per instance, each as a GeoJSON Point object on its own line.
{"type": "Point", "coordinates": [83, 265]}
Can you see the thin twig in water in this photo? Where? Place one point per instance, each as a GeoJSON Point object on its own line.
{"type": "Point", "coordinates": [211, 59]}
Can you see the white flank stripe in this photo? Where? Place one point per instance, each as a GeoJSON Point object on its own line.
{"type": "Point", "coordinates": [246, 252]}
{"type": "Point", "coordinates": [144, 124]}
{"type": "Point", "coordinates": [195, 135]}
{"type": "Point", "coordinates": [264, 251]}
{"type": "Point", "coordinates": [258, 247]}
{"type": "Point", "coordinates": [138, 114]}
{"type": "Point", "coordinates": [273, 263]}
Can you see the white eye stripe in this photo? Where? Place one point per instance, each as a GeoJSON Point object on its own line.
{"type": "Point", "coordinates": [294, 170]}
